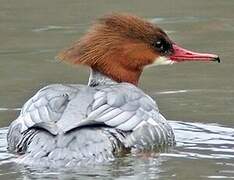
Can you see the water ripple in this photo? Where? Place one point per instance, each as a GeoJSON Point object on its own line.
{"type": "Point", "coordinates": [199, 140]}
{"type": "Point", "coordinates": [176, 20]}
{"type": "Point", "coordinates": [52, 28]}
{"type": "Point", "coordinates": [195, 141]}
{"type": "Point", "coordinates": [10, 109]}
{"type": "Point", "coordinates": [178, 91]}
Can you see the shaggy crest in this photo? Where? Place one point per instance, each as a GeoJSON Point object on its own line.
{"type": "Point", "coordinates": [117, 45]}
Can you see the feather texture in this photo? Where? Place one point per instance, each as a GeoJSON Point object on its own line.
{"type": "Point", "coordinates": [58, 124]}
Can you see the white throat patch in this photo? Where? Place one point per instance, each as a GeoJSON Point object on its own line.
{"type": "Point", "coordinates": [161, 60]}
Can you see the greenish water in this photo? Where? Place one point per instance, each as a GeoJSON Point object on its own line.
{"type": "Point", "coordinates": [199, 97]}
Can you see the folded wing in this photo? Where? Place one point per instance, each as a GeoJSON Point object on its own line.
{"type": "Point", "coordinates": [121, 106]}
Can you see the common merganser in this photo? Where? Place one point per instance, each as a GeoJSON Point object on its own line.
{"type": "Point", "coordinates": [71, 124]}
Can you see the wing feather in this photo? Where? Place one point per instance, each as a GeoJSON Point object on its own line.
{"type": "Point", "coordinates": [130, 124]}
{"type": "Point", "coordinates": [121, 118]}
{"type": "Point", "coordinates": [45, 108]}
{"type": "Point", "coordinates": [97, 112]}
{"type": "Point", "coordinates": [110, 115]}
{"type": "Point", "coordinates": [120, 106]}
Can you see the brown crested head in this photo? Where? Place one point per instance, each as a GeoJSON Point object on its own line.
{"type": "Point", "coordinates": [120, 45]}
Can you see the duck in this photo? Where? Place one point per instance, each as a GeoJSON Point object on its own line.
{"type": "Point", "coordinates": [72, 124]}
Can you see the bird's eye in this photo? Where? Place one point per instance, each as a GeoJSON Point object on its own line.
{"type": "Point", "coordinates": [162, 46]}
{"type": "Point", "coordinates": [159, 45]}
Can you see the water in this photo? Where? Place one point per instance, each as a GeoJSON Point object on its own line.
{"type": "Point", "coordinates": [203, 151]}
{"type": "Point", "coordinates": [199, 97]}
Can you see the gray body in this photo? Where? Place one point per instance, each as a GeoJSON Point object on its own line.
{"type": "Point", "coordinates": [67, 125]}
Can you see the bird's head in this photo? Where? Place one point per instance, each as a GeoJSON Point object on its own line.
{"type": "Point", "coordinates": [121, 45]}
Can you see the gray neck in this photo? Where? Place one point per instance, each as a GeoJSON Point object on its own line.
{"type": "Point", "coordinates": [96, 79]}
